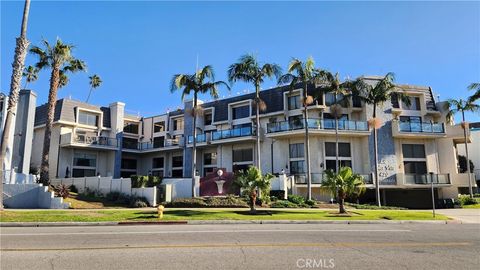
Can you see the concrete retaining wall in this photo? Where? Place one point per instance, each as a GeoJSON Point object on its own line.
{"type": "Point", "coordinates": [31, 196]}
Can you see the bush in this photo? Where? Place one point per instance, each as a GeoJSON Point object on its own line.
{"type": "Point", "coordinates": [187, 202]}
{"type": "Point", "coordinates": [139, 181]}
{"type": "Point", "coordinates": [138, 202]}
{"type": "Point", "coordinates": [279, 194]}
{"type": "Point", "coordinates": [296, 199]}
{"type": "Point", "coordinates": [310, 202]}
{"type": "Point", "coordinates": [283, 204]}
{"type": "Point", "coordinates": [226, 202]}
{"type": "Point", "coordinates": [374, 207]}
{"type": "Point", "coordinates": [113, 196]}
{"type": "Point", "coordinates": [62, 190]}
{"type": "Point", "coordinates": [153, 181]}
{"type": "Point", "coordinates": [465, 200]}
{"type": "Point", "coordinates": [73, 189]}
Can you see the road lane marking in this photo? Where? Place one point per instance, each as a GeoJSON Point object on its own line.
{"type": "Point", "coordinates": [198, 231]}
{"type": "Point", "coordinates": [258, 245]}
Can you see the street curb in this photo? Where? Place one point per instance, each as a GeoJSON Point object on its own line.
{"type": "Point", "coordinates": [226, 222]}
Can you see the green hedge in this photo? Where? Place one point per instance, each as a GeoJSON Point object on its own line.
{"type": "Point", "coordinates": [225, 202]}
{"type": "Point", "coordinates": [139, 181]}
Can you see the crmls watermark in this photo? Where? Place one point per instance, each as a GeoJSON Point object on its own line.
{"type": "Point", "coordinates": [306, 263]}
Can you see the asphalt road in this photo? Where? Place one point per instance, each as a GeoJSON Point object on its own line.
{"type": "Point", "coordinates": [295, 246]}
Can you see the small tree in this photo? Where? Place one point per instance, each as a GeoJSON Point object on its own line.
{"type": "Point", "coordinates": [342, 184]}
{"type": "Point", "coordinates": [250, 181]}
{"type": "Point", "coordinates": [30, 74]}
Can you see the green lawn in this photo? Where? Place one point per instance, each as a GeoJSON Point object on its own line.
{"type": "Point", "coordinates": [470, 206]}
{"type": "Point", "coordinates": [208, 214]}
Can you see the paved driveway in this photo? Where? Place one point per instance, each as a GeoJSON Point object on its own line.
{"type": "Point", "coordinates": [464, 215]}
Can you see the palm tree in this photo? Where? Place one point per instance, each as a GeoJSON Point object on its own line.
{"type": "Point", "coordinates": [249, 70]}
{"type": "Point", "coordinates": [475, 87]}
{"type": "Point", "coordinates": [31, 74]}
{"type": "Point", "coordinates": [343, 184]}
{"type": "Point", "coordinates": [303, 73]}
{"type": "Point", "coordinates": [341, 93]}
{"type": "Point", "coordinates": [197, 84]}
{"type": "Point", "coordinates": [376, 95]}
{"type": "Point", "coordinates": [60, 60]}
{"type": "Point", "coordinates": [461, 106]}
{"type": "Point", "coordinates": [95, 82]}
{"type": "Point", "coordinates": [250, 181]}
{"type": "Point", "coordinates": [18, 65]}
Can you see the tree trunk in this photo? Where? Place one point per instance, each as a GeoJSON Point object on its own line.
{"type": "Point", "coordinates": [307, 144]}
{"type": "Point", "coordinates": [257, 124]}
{"type": "Point", "coordinates": [341, 205]}
{"type": "Point", "coordinates": [375, 154]}
{"type": "Point", "coordinates": [194, 149]}
{"type": "Point", "coordinates": [470, 189]}
{"type": "Point", "coordinates": [336, 136]}
{"type": "Point", "coordinates": [89, 93]}
{"type": "Point", "coordinates": [52, 101]}
{"type": "Point", "coordinates": [253, 200]}
{"type": "Point", "coordinates": [18, 65]}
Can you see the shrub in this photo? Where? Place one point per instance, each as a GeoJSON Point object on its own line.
{"type": "Point", "coordinates": [374, 207]}
{"type": "Point", "coordinates": [138, 202]}
{"type": "Point", "coordinates": [229, 201]}
{"type": "Point", "coordinates": [73, 189]}
{"type": "Point", "coordinates": [187, 202]}
{"type": "Point", "coordinates": [296, 199]}
{"type": "Point", "coordinates": [466, 200]}
{"type": "Point", "coordinates": [153, 181]}
{"type": "Point", "coordinates": [310, 202]}
{"type": "Point", "coordinates": [139, 181]}
{"type": "Point", "coordinates": [113, 196]}
{"type": "Point", "coordinates": [62, 190]}
{"type": "Point", "coordinates": [283, 204]}
{"type": "Point", "coordinates": [279, 194]}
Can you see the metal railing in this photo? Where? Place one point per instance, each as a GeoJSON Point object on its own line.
{"type": "Point", "coordinates": [232, 133]}
{"type": "Point", "coordinates": [152, 145]}
{"type": "Point", "coordinates": [200, 138]}
{"type": "Point", "coordinates": [421, 127]}
{"type": "Point", "coordinates": [317, 124]}
{"type": "Point", "coordinates": [426, 179]}
{"type": "Point", "coordinates": [90, 140]}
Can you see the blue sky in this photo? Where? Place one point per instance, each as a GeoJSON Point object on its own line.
{"type": "Point", "coordinates": [136, 47]}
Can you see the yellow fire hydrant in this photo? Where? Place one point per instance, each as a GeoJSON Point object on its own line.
{"type": "Point", "coordinates": [160, 211]}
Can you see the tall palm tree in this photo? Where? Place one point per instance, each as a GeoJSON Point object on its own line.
{"type": "Point", "coordinates": [60, 60]}
{"type": "Point", "coordinates": [249, 70]}
{"type": "Point", "coordinates": [475, 87]}
{"type": "Point", "coordinates": [31, 74]}
{"type": "Point", "coordinates": [343, 184]}
{"type": "Point", "coordinates": [461, 106]}
{"type": "Point", "coordinates": [95, 82]}
{"type": "Point", "coordinates": [201, 82]}
{"type": "Point", "coordinates": [18, 65]}
{"type": "Point", "coordinates": [376, 95]}
{"type": "Point", "coordinates": [304, 73]}
{"type": "Point", "coordinates": [341, 93]}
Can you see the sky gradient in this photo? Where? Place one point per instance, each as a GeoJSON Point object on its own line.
{"type": "Point", "coordinates": [136, 47]}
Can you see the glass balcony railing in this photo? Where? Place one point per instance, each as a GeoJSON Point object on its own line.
{"type": "Point", "coordinates": [232, 133]}
{"type": "Point", "coordinates": [200, 138]}
{"type": "Point", "coordinates": [317, 124]}
{"type": "Point", "coordinates": [93, 140]}
{"type": "Point", "coordinates": [426, 179]}
{"type": "Point", "coordinates": [421, 127]}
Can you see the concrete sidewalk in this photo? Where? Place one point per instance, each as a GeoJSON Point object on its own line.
{"type": "Point", "coordinates": [463, 215]}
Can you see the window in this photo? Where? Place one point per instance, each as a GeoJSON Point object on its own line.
{"type": "Point", "coordinates": [84, 164]}
{"type": "Point", "coordinates": [208, 170]}
{"type": "Point", "coordinates": [177, 161]}
{"type": "Point", "coordinates": [208, 118]}
{"type": "Point", "coordinates": [127, 174]}
{"type": "Point", "coordinates": [411, 119]}
{"type": "Point", "coordinates": [330, 99]}
{"type": "Point", "coordinates": [295, 122]}
{"type": "Point", "coordinates": [87, 118]}
{"type": "Point", "coordinates": [158, 142]}
{"type": "Point", "coordinates": [178, 124]}
{"type": "Point", "coordinates": [210, 159]}
{"type": "Point", "coordinates": [343, 149]}
{"type": "Point", "coordinates": [414, 104]}
{"type": "Point", "coordinates": [157, 166]}
{"type": "Point", "coordinates": [159, 126]}
{"type": "Point", "coordinates": [130, 127]}
{"type": "Point", "coordinates": [344, 155]}
{"type": "Point", "coordinates": [242, 155]}
{"type": "Point", "coordinates": [415, 167]}
{"type": "Point", "coordinates": [413, 151]}
{"type": "Point", "coordinates": [297, 167]}
{"type": "Point", "coordinates": [130, 143]}
{"type": "Point", "coordinates": [294, 102]}
{"type": "Point", "coordinates": [157, 163]}
{"type": "Point", "coordinates": [129, 164]}
{"type": "Point", "coordinates": [297, 150]}
{"type": "Point", "coordinates": [240, 112]}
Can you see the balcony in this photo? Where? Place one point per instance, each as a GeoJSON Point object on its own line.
{"type": "Point", "coordinates": [201, 138]}
{"type": "Point", "coordinates": [152, 146]}
{"type": "Point", "coordinates": [317, 178]}
{"type": "Point", "coordinates": [425, 179]}
{"type": "Point", "coordinates": [318, 126]}
{"type": "Point", "coordinates": [236, 134]}
{"type": "Point", "coordinates": [88, 141]}
{"type": "Point", "coordinates": [413, 129]}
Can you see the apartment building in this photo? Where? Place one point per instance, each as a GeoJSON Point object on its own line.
{"type": "Point", "coordinates": [414, 141]}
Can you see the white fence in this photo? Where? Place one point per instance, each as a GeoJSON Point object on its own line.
{"type": "Point", "coordinates": [105, 185]}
